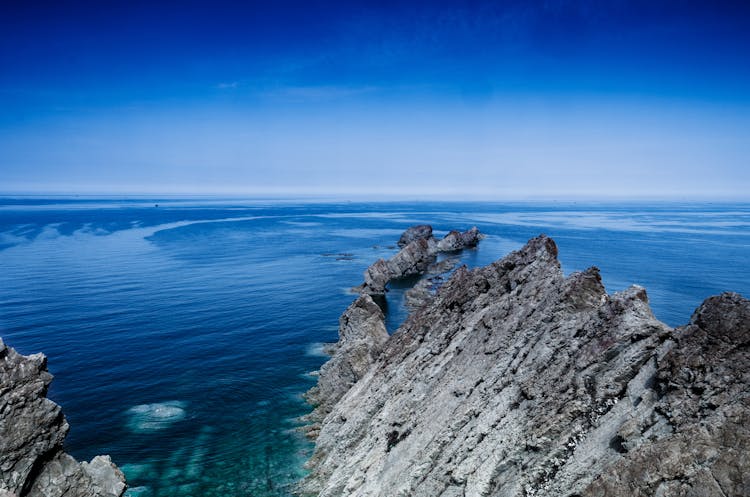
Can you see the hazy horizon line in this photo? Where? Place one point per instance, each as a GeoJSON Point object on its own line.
{"type": "Point", "coordinates": [370, 196]}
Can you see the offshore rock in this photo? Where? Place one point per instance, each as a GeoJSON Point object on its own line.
{"type": "Point", "coordinates": [415, 258]}
{"type": "Point", "coordinates": [418, 232]}
{"type": "Point", "coordinates": [518, 381]}
{"type": "Point", "coordinates": [32, 430]}
{"type": "Point", "coordinates": [455, 240]}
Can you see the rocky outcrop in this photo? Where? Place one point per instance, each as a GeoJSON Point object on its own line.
{"type": "Point", "coordinates": [362, 335]}
{"type": "Point", "coordinates": [419, 252]}
{"type": "Point", "coordinates": [418, 232]}
{"type": "Point", "coordinates": [32, 430]}
{"type": "Point", "coordinates": [455, 240]}
{"type": "Point", "coordinates": [701, 401]}
{"type": "Point", "coordinates": [518, 381]}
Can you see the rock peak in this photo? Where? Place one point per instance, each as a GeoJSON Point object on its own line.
{"type": "Point", "coordinates": [420, 231]}
{"type": "Point", "coordinates": [539, 247]}
{"type": "Point", "coordinates": [726, 316]}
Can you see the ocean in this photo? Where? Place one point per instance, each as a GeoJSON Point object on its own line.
{"type": "Point", "coordinates": [181, 332]}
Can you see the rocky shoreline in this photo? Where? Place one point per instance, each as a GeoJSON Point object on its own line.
{"type": "Point", "coordinates": [515, 380]}
{"type": "Point", "coordinates": [32, 431]}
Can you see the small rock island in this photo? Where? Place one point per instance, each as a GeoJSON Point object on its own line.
{"type": "Point", "coordinates": [517, 381]}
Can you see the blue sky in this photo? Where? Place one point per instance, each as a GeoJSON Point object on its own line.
{"type": "Point", "coordinates": [501, 100]}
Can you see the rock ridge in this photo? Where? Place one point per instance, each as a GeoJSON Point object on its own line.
{"type": "Point", "coordinates": [32, 431]}
{"type": "Point", "coordinates": [418, 252]}
{"type": "Point", "coordinates": [516, 380]}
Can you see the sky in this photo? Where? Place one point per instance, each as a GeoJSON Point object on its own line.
{"type": "Point", "coordinates": [497, 100]}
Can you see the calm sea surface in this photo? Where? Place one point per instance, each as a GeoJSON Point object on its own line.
{"type": "Point", "coordinates": [181, 336]}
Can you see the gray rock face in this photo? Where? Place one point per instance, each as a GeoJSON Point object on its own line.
{"type": "Point", "coordinates": [703, 406]}
{"type": "Point", "coordinates": [455, 240]}
{"type": "Point", "coordinates": [32, 430]}
{"type": "Point", "coordinates": [362, 335]}
{"type": "Point", "coordinates": [417, 255]}
{"type": "Point", "coordinates": [425, 289]}
{"type": "Point", "coordinates": [418, 232]}
{"type": "Point", "coordinates": [411, 260]}
{"type": "Point", "coordinates": [518, 381]}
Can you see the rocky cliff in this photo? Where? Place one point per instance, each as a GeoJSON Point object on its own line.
{"type": "Point", "coordinates": [32, 430]}
{"type": "Point", "coordinates": [515, 380]}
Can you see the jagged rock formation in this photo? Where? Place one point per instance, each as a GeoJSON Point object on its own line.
{"type": "Point", "coordinates": [455, 240]}
{"type": "Point", "coordinates": [362, 335]}
{"type": "Point", "coordinates": [418, 253]}
{"type": "Point", "coordinates": [517, 381]}
{"type": "Point", "coordinates": [418, 232]}
{"type": "Point", "coordinates": [32, 430]}
{"type": "Point", "coordinates": [702, 399]}
{"type": "Point", "coordinates": [411, 260]}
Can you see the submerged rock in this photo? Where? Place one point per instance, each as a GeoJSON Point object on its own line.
{"type": "Point", "coordinates": [518, 381]}
{"type": "Point", "coordinates": [32, 431]}
{"type": "Point", "coordinates": [146, 418]}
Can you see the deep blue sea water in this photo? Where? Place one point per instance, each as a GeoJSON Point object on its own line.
{"type": "Point", "coordinates": [181, 336]}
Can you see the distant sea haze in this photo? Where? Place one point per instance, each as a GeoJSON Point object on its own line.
{"type": "Point", "coordinates": [182, 336]}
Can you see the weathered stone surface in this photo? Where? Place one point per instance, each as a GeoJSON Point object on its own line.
{"type": "Point", "coordinates": [518, 381]}
{"type": "Point", "coordinates": [362, 334]}
{"type": "Point", "coordinates": [411, 260]}
{"type": "Point", "coordinates": [703, 403]}
{"type": "Point", "coordinates": [455, 240]}
{"type": "Point", "coordinates": [32, 430]}
{"type": "Point", "coordinates": [377, 277]}
{"type": "Point", "coordinates": [418, 232]}
{"type": "Point", "coordinates": [415, 258]}
{"type": "Point", "coordinates": [425, 289]}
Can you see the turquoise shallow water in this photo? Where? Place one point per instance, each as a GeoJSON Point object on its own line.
{"type": "Point", "coordinates": [180, 336]}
